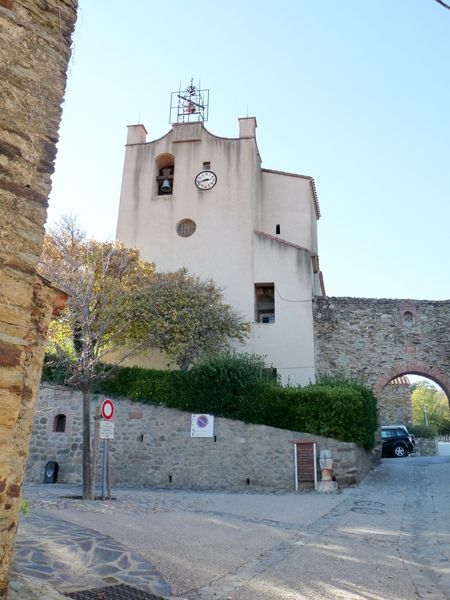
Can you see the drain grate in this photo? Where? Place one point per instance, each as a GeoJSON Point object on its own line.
{"type": "Point", "coordinates": [113, 592]}
{"type": "Point", "coordinates": [368, 507]}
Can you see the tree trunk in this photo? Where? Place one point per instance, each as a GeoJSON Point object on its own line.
{"type": "Point", "coordinates": [87, 481]}
{"type": "Point", "coordinates": [97, 418]}
{"type": "Point", "coordinates": [184, 364]}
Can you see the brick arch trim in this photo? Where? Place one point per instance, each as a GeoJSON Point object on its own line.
{"type": "Point", "coordinates": [414, 367]}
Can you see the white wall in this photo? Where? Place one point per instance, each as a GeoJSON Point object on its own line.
{"type": "Point", "coordinates": [225, 246]}
{"type": "Point", "coordinates": [289, 341]}
{"type": "Point", "coordinates": [221, 247]}
{"type": "Point", "coordinates": [287, 200]}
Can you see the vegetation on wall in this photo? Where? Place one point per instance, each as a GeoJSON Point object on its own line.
{"type": "Point", "coordinates": [241, 387]}
{"type": "Point", "coordinates": [424, 431]}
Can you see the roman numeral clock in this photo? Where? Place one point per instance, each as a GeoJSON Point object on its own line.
{"type": "Point", "coordinates": [205, 180]}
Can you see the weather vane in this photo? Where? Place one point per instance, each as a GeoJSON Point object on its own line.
{"type": "Point", "coordinates": [190, 104]}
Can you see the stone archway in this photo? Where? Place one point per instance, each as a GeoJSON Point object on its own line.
{"type": "Point", "coordinates": [414, 367]}
{"type": "Point", "coordinates": [378, 340]}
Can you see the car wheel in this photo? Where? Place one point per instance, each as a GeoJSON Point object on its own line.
{"type": "Point", "coordinates": [399, 451]}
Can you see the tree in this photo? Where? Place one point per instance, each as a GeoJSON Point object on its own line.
{"type": "Point", "coordinates": [430, 405]}
{"type": "Point", "coordinates": [102, 280]}
{"type": "Point", "coordinates": [187, 317]}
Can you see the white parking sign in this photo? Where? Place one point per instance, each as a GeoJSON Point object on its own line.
{"type": "Point", "coordinates": [202, 425]}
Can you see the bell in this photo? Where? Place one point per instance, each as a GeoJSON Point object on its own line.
{"type": "Point", "coordinates": [166, 187]}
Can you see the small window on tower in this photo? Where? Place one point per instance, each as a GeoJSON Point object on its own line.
{"type": "Point", "coordinates": [206, 166]}
{"type": "Point", "coordinates": [264, 302]}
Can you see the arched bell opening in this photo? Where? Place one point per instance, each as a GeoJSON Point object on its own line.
{"type": "Point", "coordinates": [165, 169]}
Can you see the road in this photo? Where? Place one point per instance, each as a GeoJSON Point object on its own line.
{"type": "Point", "coordinates": [388, 538]}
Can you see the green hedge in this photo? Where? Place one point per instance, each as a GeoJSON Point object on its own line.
{"type": "Point", "coordinates": [240, 387]}
{"type": "Point", "coordinates": [147, 385]}
{"type": "Point", "coordinates": [424, 431]}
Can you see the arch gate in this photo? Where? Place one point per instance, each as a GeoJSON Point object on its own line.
{"type": "Point", "coordinates": [380, 340]}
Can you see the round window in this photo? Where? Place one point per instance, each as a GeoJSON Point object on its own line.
{"type": "Point", "coordinates": [186, 228]}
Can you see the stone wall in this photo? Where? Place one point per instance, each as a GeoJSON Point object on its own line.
{"type": "Point", "coordinates": [378, 340]}
{"type": "Point", "coordinates": [153, 447]}
{"type": "Point", "coordinates": [426, 447]}
{"type": "Point", "coordinates": [34, 53]}
{"type": "Point", "coordinates": [395, 403]}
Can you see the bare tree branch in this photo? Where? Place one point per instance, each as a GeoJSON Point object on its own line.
{"type": "Point", "coordinates": [101, 279]}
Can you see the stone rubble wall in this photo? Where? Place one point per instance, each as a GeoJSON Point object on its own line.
{"type": "Point", "coordinates": [426, 447]}
{"type": "Point", "coordinates": [395, 405]}
{"type": "Point", "coordinates": [153, 447]}
{"type": "Point", "coordinates": [377, 340]}
{"type": "Point", "coordinates": [34, 53]}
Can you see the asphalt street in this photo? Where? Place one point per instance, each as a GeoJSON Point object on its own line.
{"type": "Point", "coordinates": [388, 538]}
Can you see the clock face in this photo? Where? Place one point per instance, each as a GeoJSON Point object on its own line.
{"type": "Point", "coordinates": [206, 180]}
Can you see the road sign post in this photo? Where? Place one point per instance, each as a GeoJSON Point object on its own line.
{"type": "Point", "coordinates": [105, 468]}
{"type": "Point", "coordinates": [106, 434]}
{"type": "Point", "coordinates": [107, 409]}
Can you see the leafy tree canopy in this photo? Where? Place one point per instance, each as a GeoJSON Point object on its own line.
{"type": "Point", "coordinates": [430, 405]}
{"type": "Point", "coordinates": [186, 317]}
{"type": "Point", "coordinates": [102, 280]}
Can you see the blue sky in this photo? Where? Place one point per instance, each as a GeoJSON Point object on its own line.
{"type": "Point", "coordinates": [354, 93]}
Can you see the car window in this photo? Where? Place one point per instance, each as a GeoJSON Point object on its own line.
{"type": "Point", "coordinates": [387, 434]}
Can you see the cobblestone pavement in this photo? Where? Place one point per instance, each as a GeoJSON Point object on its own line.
{"type": "Point", "coordinates": [70, 557]}
{"type": "Point", "coordinates": [73, 556]}
{"type": "Point", "coordinates": [387, 539]}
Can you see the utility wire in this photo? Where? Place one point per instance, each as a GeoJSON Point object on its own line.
{"type": "Point", "coordinates": [444, 4]}
{"type": "Point", "coordinates": [288, 300]}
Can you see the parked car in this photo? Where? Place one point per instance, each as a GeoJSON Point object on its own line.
{"type": "Point", "coordinates": [396, 441]}
{"type": "Point", "coordinates": [412, 437]}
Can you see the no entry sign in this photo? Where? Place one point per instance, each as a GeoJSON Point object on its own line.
{"type": "Point", "coordinates": [107, 409]}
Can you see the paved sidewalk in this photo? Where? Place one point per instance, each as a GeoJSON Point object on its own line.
{"type": "Point", "coordinates": [387, 539]}
{"type": "Point", "coordinates": [188, 535]}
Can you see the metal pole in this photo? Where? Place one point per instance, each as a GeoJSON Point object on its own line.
{"type": "Point", "coordinates": [105, 470]}
{"type": "Point", "coordinates": [296, 467]}
{"type": "Point", "coordinates": [109, 473]}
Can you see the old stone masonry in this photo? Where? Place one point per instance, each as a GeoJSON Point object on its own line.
{"type": "Point", "coordinates": [153, 446]}
{"type": "Point", "coordinates": [378, 340]}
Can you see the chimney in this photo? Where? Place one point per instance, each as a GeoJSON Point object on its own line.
{"type": "Point", "coordinates": [137, 134]}
{"type": "Point", "coordinates": [247, 127]}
